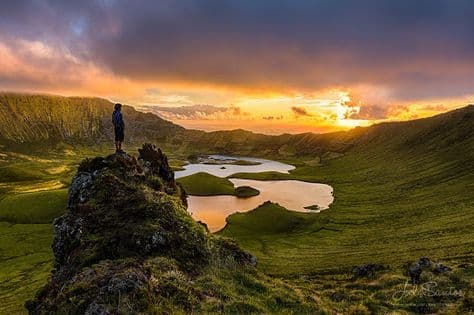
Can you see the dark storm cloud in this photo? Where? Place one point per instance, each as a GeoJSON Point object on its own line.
{"type": "Point", "coordinates": [418, 48]}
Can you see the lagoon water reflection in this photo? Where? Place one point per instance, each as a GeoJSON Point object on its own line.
{"type": "Point", "coordinates": [291, 194]}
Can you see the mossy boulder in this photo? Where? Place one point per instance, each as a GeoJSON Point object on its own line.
{"type": "Point", "coordinates": [128, 245]}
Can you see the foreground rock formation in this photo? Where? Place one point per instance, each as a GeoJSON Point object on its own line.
{"type": "Point", "coordinates": [127, 245]}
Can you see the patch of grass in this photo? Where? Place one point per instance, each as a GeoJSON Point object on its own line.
{"type": "Point", "coordinates": [204, 184]}
{"type": "Point", "coordinates": [246, 192]}
{"type": "Point", "coordinates": [241, 224]}
{"type": "Point", "coordinates": [36, 207]}
{"type": "Point", "coordinates": [25, 263]}
{"type": "Point", "coordinates": [18, 173]}
{"type": "Point", "coordinates": [177, 165]}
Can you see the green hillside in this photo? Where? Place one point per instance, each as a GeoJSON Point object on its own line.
{"type": "Point", "coordinates": [28, 121]}
{"type": "Point", "coordinates": [402, 191]}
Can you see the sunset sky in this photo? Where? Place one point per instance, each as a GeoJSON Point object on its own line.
{"type": "Point", "coordinates": [268, 66]}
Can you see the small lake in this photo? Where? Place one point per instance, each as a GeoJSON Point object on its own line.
{"type": "Point", "coordinates": [224, 170]}
{"type": "Point", "coordinates": [292, 194]}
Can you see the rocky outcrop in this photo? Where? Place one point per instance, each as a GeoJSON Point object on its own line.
{"type": "Point", "coordinates": [415, 269]}
{"type": "Point", "coordinates": [366, 270]}
{"type": "Point", "coordinates": [128, 245]}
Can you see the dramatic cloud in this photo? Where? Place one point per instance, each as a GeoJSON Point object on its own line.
{"type": "Point", "coordinates": [417, 49]}
{"type": "Point", "coordinates": [194, 112]}
{"type": "Point", "coordinates": [367, 112]}
{"type": "Point", "coordinates": [36, 65]}
{"type": "Point", "coordinates": [358, 110]}
{"type": "Point", "coordinates": [300, 111]}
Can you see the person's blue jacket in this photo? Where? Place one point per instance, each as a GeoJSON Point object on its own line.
{"type": "Point", "coordinates": [117, 119]}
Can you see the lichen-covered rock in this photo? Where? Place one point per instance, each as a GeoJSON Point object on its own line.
{"type": "Point", "coordinates": [80, 188]}
{"type": "Point", "coordinates": [155, 162]}
{"type": "Point", "coordinates": [128, 245]}
{"type": "Point", "coordinates": [415, 270]}
{"type": "Point", "coordinates": [68, 232]}
{"type": "Point", "coordinates": [440, 268]}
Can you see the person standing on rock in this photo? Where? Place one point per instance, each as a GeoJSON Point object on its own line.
{"type": "Point", "coordinates": [119, 127]}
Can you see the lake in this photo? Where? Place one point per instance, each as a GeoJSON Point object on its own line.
{"type": "Point", "coordinates": [292, 194]}
{"type": "Point", "coordinates": [229, 169]}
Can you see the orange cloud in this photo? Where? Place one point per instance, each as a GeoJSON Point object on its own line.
{"type": "Point", "coordinates": [37, 66]}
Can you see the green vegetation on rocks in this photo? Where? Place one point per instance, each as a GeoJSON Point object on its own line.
{"type": "Point", "coordinates": [125, 246]}
{"type": "Point", "coordinates": [245, 163]}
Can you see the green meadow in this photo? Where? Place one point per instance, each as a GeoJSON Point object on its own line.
{"type": "Point", "coordinates": [35, 207]}
{"type": "Point", "coordinates": [25, 263]}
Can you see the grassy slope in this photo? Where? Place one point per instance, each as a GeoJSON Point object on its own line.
{"type": "Point", "coordinates": [400, 194]}
{"type": "Point", "coordinates": [25, 263]}
{"type": "Point", "coordinates": [35, 207]}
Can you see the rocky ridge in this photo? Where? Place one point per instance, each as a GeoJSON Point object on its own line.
{"type": "Point", "coordinates": [128, 245]}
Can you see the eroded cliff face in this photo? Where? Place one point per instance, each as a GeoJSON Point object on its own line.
{"type": "Point", "coordinates": [128, 245]}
